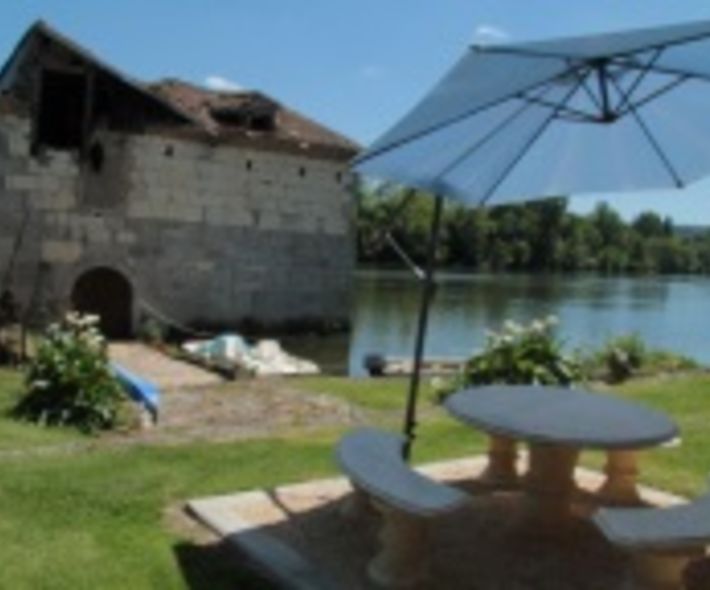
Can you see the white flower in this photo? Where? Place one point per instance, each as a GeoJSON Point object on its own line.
{"type": "Point", "coordinates": [538, 326]}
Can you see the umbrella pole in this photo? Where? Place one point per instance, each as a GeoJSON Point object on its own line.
{"type": "Point", "coordinates": [428, 288]}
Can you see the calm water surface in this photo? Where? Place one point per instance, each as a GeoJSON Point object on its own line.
{"type": "Point", "coordinates": [667, 312]}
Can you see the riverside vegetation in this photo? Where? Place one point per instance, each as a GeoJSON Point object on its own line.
{"type": "Point", "coordinates": [539, 236]}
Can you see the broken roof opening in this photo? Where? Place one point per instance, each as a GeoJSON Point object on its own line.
{"type": "Point", "coordinates": [61, 110]}
{"type": "Point", "coordinates": [248, 112]}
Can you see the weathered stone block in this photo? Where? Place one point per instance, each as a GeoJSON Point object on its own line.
{"type": "Point", "coordinates": [21, 182]}
{"type": "Point", "coordinates": [61, 251]}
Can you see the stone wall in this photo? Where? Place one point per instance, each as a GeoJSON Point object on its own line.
{"type": "Point", "coordinates": [211, 235]}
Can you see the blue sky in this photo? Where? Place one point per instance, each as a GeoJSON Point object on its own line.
{"type": "Point", "coordinates": [355, 65]}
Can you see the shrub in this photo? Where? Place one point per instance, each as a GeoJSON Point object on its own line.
{"type": "Point", "coordinates": [523, 354]}
{"type": "Point", "coordinates": [151, 331]}
{"type": "Point", "coordinates": [625, 356]}
{"type": "Point", "coordinates": [69, 381]}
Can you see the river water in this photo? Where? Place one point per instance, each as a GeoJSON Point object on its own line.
{"type": "Point", "coordinates": [667, 312]}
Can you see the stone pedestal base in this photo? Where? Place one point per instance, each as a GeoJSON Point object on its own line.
{"type": "Point", "coordinates": [549, 485]}
{"type": "Point", "coordinates": [356, 505]}
{"type": "Point", "coordinates": [403, 558]}
{"type": "Point", "coordinates": [662, 571]}
{"type": "Point", "coordinates": [620, 487]}
{"type": "Point", "coordinates": [502, 457]}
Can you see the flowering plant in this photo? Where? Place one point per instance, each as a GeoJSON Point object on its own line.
{"type": "Point", "coordinates": [521, 354]}
{"type": "Point", "coordinates": [69, 381]}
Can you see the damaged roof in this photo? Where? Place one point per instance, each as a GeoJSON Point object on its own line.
{"type": "Point", "coordinates": [245, 117]}
{"type": "Point", "coordinates": [41, 31]}
{"type": "Point", "coordinates": [252, 116]}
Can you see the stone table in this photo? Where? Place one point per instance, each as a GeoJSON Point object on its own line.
{"type": "Point", "coordinates": [557, 423]}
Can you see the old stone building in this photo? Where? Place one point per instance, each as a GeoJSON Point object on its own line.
{"type": "Point", "coordinates": [124, 198]}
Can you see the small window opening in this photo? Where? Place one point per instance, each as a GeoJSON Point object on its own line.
{"type": "Point", "coordinates": [96, 156]}
{"type": "Point", "coordinates": [302, 172]}
{"type": "Point", "coordinates": [250, 165]}
{"type": "Point", "coordinates": [338, 177]}
{"type": "Point", "coordinates": [169, 151]}
{"type": "Point", "coordinates": [61, 110]}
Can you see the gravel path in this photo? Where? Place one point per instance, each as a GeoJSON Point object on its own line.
{"type": "Point", "coordinates": [249, 408]}
{"type": "Point", "coordinates": [163, 371]}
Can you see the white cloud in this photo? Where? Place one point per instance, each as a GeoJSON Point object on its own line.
{"type": "Point", "coordinates": [373, 72]}
{"type": "Point", "coordinates": [489, 35]}
{"type": "Point", "coordinates": [222, 84]}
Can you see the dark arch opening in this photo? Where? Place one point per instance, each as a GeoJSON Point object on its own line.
{"type": "Point", "coordinates": [108, 294]}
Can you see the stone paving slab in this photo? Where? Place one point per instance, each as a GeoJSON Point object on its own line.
{"type": "Point", "coordinates": [158, 368]}
{"type": "Point", "coordinates": [479, 548]}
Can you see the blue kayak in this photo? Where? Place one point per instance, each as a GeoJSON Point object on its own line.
{"type": "Point", "coordinates": [141, 390]}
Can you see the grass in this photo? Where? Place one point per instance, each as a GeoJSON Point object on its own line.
{"type": "Point", "coordinates": [17, 436]}
{"type": "Point", "coordinates": [100, 518]}
{"type": "Point", "coordinates": [683, 469]}
{"type": "Point", "coordinates": [389, 393]}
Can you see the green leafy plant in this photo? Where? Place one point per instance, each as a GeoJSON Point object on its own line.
{"type": "Point", "coordinates": [623, 356]}
{"type": "Point", "coordinates": [520, 354]}
{"type": "Point", "coordinates": [628, 355]}
{"type": "Point", "coordinates": [151, 331]}
{"type": "Point", "coordinates": [69, 381]}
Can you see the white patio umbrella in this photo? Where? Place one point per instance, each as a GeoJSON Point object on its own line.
{"type": "Point", "coordinates": [614, 112]}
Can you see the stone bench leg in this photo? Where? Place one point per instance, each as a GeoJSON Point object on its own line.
{"type": "Point", "coordinates": [662, 570]}
{"type": "Point", "coordinates": [403, 560]}
{"type": "Point", "coordinates": [502, 457]}
{"type": "Point", "coordinates": [620, 487]}
{"type": "Point", "coordinates": [549, 485]}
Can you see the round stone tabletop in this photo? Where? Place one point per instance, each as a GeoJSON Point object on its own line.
{"type": "Point", "coordinates": [556, 415]}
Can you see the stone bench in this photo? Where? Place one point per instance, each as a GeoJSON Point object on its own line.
{"type": "Point", "coordinates": [661, 540]}
{"type": "Point", "coordinates": [407, 500]}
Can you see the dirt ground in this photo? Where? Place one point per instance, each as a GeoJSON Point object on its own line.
{"type": "Point", "coordinates": [197, 405]}
{"type": "Point", "coordinates": [245, 408]}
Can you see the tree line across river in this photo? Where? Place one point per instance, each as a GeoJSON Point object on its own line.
{"type": "Point", "coordinates": [538, 236]}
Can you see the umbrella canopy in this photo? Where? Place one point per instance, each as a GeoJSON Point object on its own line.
{"type": "Point", "coordinates": [613, 112]}
{"type": "Point", "coordinates": [510, 123]}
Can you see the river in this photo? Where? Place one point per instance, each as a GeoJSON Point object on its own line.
{"type": "Point", "coordinates": [667, 312]}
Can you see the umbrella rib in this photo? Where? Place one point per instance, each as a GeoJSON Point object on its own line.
{"type": "Point", "coordinates": [573, 113]}
{"type": "Point", "coordinates": [654, 95]}
{"type": "Point", "coordinates": [626, 96]}
{"type": "Point", "coordinates": [528, 145]}
{"type": "Point", "coordinates": [654, 144]}
{"type": "Point", "coordinates": [488, 137]}
{"type": "Point", "coordinates": [667, 71]}
{"type": "Point", "coordinates": [452, 121]}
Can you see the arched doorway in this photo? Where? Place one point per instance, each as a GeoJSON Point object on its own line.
{"type": "Point", "coordinates": [108, 294]}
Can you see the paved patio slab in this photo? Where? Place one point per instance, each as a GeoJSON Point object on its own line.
{"type": "Point", "coordinates": [298, 537]}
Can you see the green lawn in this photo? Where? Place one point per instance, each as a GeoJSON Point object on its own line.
{"type": "Point", "coordinates": [16, 436]}
{"type": "Point", "coordinates": [388, 394]}
{"type": "Point", "coordinates": [96, 517]}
